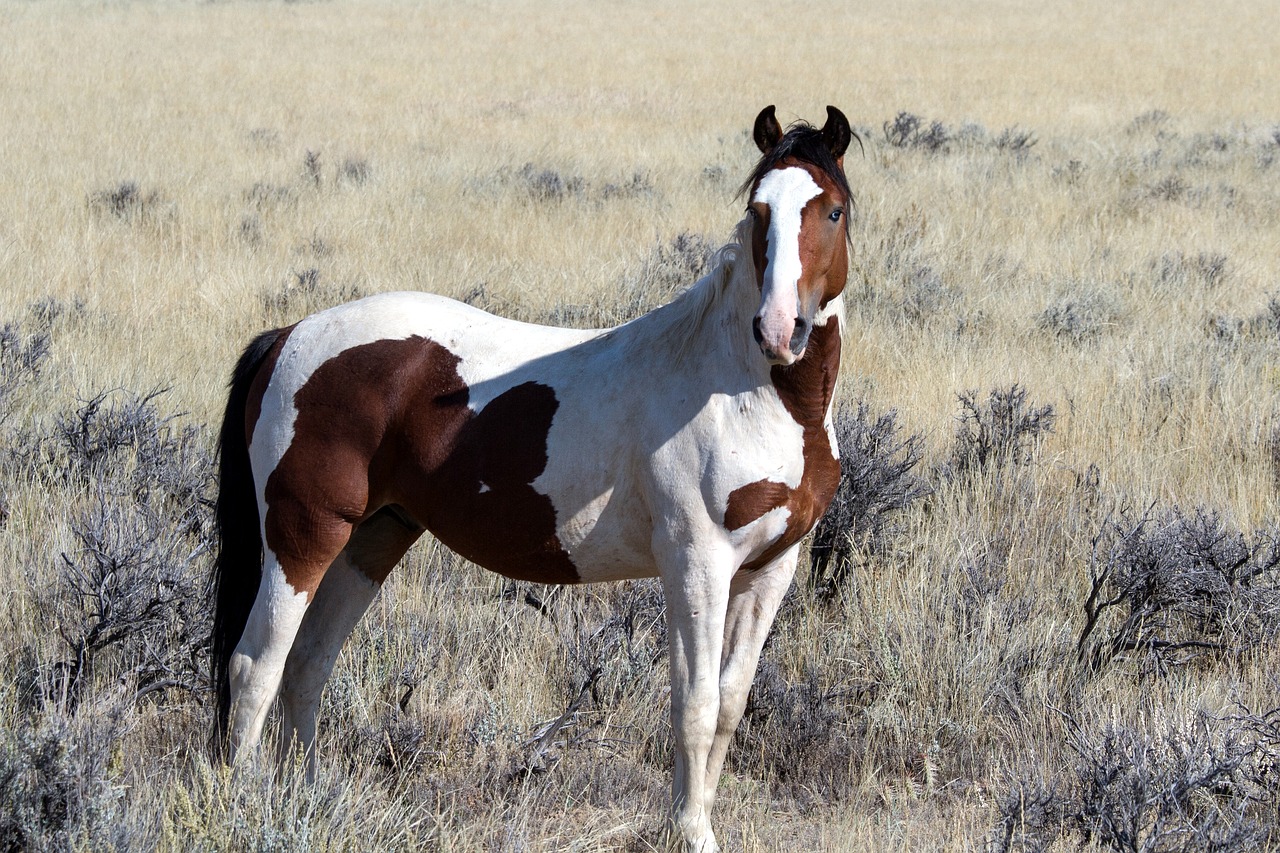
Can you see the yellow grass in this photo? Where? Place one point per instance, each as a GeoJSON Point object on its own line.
{"type": "Point", "coordinates": [422, 117]}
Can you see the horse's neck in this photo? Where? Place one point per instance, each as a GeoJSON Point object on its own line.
{"type": "Point", "coordinates": [707, 329]}
{"type": "Point", "coordinates": [808, 386]}
{"type": "Point", "coordinates": [705, 337]}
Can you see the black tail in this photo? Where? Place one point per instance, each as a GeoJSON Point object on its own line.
{"type": "Point", "coordinates": [238, 569]}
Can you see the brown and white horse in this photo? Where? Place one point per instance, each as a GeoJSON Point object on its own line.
{"type": "Point", "coordinates": [693, 443]}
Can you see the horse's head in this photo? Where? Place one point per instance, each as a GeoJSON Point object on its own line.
{"type": "Point", "coordinates": [799, 204]}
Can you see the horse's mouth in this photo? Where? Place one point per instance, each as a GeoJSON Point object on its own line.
{"type": "Point", "coordinates": [782, 359]}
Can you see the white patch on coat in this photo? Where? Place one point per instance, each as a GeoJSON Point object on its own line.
{"type": "Point", "coordinates": [751, 540]}
{"type": "Point", "coordinates": [833, 310]}
{"type": "Point", "coordinates": [257, 664]}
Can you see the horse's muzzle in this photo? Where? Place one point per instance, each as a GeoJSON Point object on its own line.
{"type": "Point", "coordinates": [794, 350]}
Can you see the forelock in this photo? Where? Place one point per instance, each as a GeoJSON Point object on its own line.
{"type": "Point", "coordinates": [802, 142]}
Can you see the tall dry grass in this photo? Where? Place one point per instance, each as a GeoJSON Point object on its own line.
{"type": "Point", "coordinates": [1080, 199]}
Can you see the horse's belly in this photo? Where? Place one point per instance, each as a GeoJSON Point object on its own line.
{"type": "Point", "coordinates": [520, 534]}
{"type": "Point", "coordinates": [609, 537]}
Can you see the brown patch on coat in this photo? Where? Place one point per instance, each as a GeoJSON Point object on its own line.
{"type": "Point", "coordinates": [806, 389]}
{"type": "Point", "coordinates": [388, 424]}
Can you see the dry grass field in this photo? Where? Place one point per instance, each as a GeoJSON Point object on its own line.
{"type": "Point", "coordinates": [1050, 617]}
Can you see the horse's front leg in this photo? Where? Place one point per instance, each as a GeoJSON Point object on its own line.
{"type": "Point", "coordinates": [754, 598]}
{"type": "Point", "coordinates": [695, 580]}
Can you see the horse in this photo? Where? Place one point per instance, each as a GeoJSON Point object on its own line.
{"type": "Point", "coordinates": [693, 444]}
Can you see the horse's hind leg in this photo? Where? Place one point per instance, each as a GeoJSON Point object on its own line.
{"type": "Point", "coordinates": [258, 662]}
{"type": "Point", "coordinates": [348, 588]}
{"type": "Point", "coordinates": [289, 581]}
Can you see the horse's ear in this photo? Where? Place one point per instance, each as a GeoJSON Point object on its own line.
{"type": "Point", "coordinates": [767, 131]}
{"type": "Point", "coordinates": [836, 132]}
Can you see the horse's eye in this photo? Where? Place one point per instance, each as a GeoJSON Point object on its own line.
{"type": "Point", "coordinates": [751, 212]}
{"type": "Point", "coordinates": [836, 214]}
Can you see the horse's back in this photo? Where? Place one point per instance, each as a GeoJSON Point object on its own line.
{"type": "Point", "coordinates": [445, 411]}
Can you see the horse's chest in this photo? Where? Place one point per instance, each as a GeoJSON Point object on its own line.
{"type": "Point", "coordinates": [772, 514]}
{"type": "Point", "coordinates": [767, 516]}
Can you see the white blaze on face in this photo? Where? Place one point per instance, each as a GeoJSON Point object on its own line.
{"type": "Point", "coordinates": [785, 192]}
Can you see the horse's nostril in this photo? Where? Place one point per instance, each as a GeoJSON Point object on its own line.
{"type": "Point", "coordinates": [755, 330]}
{"type": "Point", "coordinates": [800, 337]}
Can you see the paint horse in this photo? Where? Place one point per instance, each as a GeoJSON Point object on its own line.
{"type": "Point", "coordinates": [693, 444]}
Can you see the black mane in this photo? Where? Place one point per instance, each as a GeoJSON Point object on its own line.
{"type": "Point", "coordinates": [804, 142]}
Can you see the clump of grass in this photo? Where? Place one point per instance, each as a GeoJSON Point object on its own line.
{"type": "Point", "coordinates": [551, 185]}
{"type": "Point", "coordinates": [1071, 172]}
{"type": "Point", "coordinates": [128, 202]}
{"type": "Point", "coordinates": [118, 600]}
{"type": "Point", "coordinates": [877, 480]}
{"type": "Point", "coordinates": [351, 170]}
{"type": "Point", "coordinates": [907, 130]}
{"type": "Point", "coordinates": [716, 176]}
{"type": "Point", "coordinates": [128, 595]}
{"type": "Point", "coordinates": [1000, 434]}
{"type": "Point", "coordinates": [618, 651]}
{"type": "Point", "coordinates": [926, 295]}
{"type": "Point", "coordinates": [263, 137]}
{"type": "Point", "coordinates": [1266, 323]}
{"type": "Point", "coordinates": [258, 807]}
{"type": "Point", "coordinates": [354, 170]}
{"type": "Point", "coordinates": [129, 598]}
{"type": "Point", "coordinates": [25, 349]}
{"type": "Point", "coordinates": [548, 185]}
{"type": "Point", "coordinates": [123, 443]}
{"type": "Point", "coordinates": [1080, 316]}
{"type": "Point", "coordinates": [1181, 271]}
{"type": "Point", "coordinates": [1271, 445]}
{"type": "Point", "coordinates": [1172, 587]}
{"type": "Point", "coordinates": [1014, 140]}
{"type": "Point", "coordinates": [1200, 784]}
{"type": "Point", "coordinates": [400, 743]}
{"type": "Point", "coordinates": [264, 196]}
{"type": "Point", "coordinates": [639, 185]}
{"type": "Point", "coordinates": [250, 230]}
{"type": "Point", "coordinates": [58, 789]}
{"type": "Point", "coordinates": [798, 734]}
{"type": "Point", "coordinates": [22, 357]}
{"type": "Point", "coordinates": [1169, 188]}
{"type": "Point", "coordinates": [307, 291]}
{"type": "Point", "coordinates": [542, 749]}
{"type": "Point", "coordinates": [91, 436]}
{"type": "Point", "coordinates": [1152, 121]}
{"type": "Point", "coordinates": [614, 649]}
{"type": "Point", "coordinates": [1263, 326]}
{"type": "Point", "coordinates": [312, 170]}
